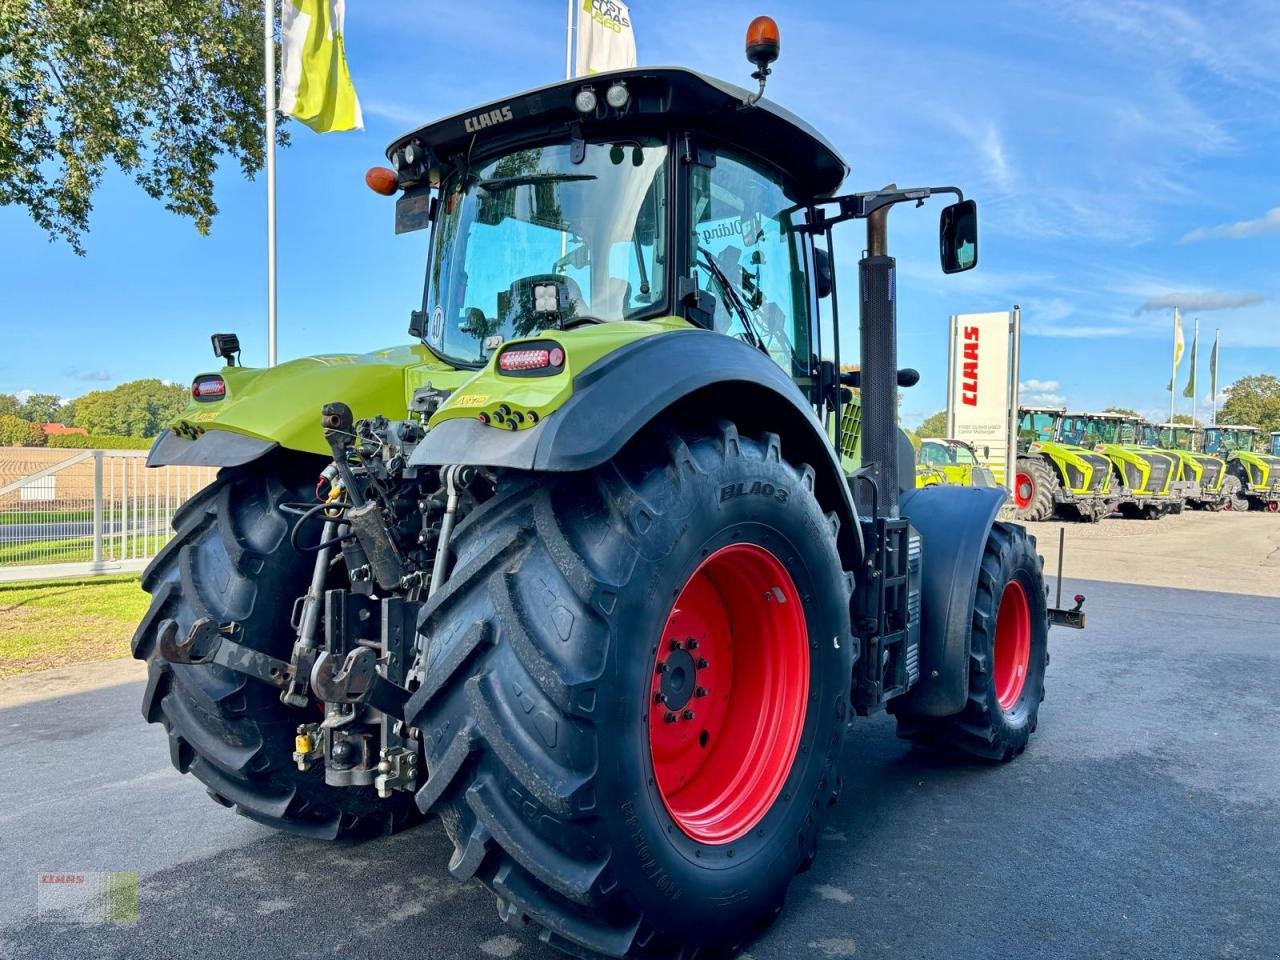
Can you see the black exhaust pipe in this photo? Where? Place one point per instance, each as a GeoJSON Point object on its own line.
{"type": "Point", "coordinates": [879, 360]}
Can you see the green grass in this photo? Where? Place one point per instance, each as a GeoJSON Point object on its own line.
{"type": "Point", "coordinates": [60, 622]}
{"type": "Point", "coordinates": [46, 551]}
{"type": "Point", "coordinates": [46, 516]}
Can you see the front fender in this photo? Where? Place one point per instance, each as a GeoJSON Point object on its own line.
{"type": "Point", "coordinates": [954, 523]}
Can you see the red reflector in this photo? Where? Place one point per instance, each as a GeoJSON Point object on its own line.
{"type": "Point", "coordinates": [557, 357]}
{"type": "Point", "coordinates": [528, 359]}
{"type": "Point", "coordinates": [208, 389]}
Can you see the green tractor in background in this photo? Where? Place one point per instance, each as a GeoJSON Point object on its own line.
{"type": "Point", "coordinates": [1258, 473]}
{"type": "Point", "coordinates": [1213, 487]}
{"type": "Point", "coordinates": [1055, 477]}
{"type": "Point", "coordinates": [1144, 479]}
{"type": "Point", "coordinates": [581, 572]}
{"type": "Point", "coordinates": [950, 461]}
{"type": "Point", "coordinates": [1275, 443]}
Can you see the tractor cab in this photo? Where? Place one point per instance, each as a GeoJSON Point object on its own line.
{"type": "Point", "coordinates": [648, 200]}
{"type": "Point", "coordinates": [1275, 443]}
{"type": "Point", "coordinates": [1181, 436]}
{"type": "Point", "coordinates": [1225, 440]}
{"type": "Point", "coordinates": [1039, 425]}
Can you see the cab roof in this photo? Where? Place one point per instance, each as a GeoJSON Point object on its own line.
{"type": "Point", "coordinates": [661, 98]}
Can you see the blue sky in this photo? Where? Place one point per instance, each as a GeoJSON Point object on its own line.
{"type": "Point", "coordinates": [1123, 156]}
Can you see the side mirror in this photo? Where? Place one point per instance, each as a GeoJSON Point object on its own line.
{"type": "Point", "coordinates": [986, 453]}
{"type": "Point", "coordinates": [958, 236]}
{"type": "Point", "coordinates": [822, 273]}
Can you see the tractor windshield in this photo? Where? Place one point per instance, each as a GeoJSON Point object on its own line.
{"type": "Point", "coordinates": [1037, 426]}
{"type": "Point", "coordinates": [1176, 438]}
{"type": "Point", "coordinates": [1225, 440]}
{"type": "Point", "coordinates": [1275, 444]}
{"type": "Point", "coordinates": [533, 240]}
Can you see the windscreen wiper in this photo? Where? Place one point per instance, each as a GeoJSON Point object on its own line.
{"type": "Point", "coordinates": [493, 184]}
{"type": "Point", "coordinates": [734, 300]}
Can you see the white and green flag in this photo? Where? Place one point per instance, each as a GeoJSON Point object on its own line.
{"type": "Point", "coordinates": [605, 38]}
{"type": "Point", "coordinates": [1179, 345]}
{"type": "Point", "coordinates": [316, 86]}
{"type": "Point", "coordinates": [1190, 391]}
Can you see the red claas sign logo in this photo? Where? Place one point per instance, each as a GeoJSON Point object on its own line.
{"type": "Point", "coordinates": [969, 370]}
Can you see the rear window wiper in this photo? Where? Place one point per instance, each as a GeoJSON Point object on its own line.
{"type": "Point", "coordinates": [526, 179]}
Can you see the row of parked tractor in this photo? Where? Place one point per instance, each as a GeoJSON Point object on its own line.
{"type": "Point", "coordinates": [1086, 466]}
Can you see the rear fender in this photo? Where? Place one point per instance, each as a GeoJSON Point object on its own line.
{"type": "Point", "coordinates": [686, 373]}
{"type": "Point", "coordinates": [954, 523]}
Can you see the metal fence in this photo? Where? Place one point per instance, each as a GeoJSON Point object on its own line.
{"type": "Point", "coordinates": [80, 512]}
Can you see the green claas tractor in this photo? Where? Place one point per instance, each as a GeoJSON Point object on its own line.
{"type": "Point", "coordinates": [580, 570]}
{"type": "Point", "coordinates": [1211, 486]}
{"type": "Point", "coordinates": [1144, 479]}
{"type": "Point", "coordinates": [1258, 473]}
{"type": "Point", "coordinates": [1056, 477]}
{"type": "Point", "coordinates": [950, 461]}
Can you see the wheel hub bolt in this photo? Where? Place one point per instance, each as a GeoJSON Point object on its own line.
{"type": "Point", "coordinates": [691, 644]}
{"type": "Point", "coordinates": [662, 666]}
{"type": "Point", "coordinates": [687, 714]}
{"type": "Point", "coordinates": [669, 717]}
{"type": "Point", "coordinates": [674, 645]}
{"type": "Point", "coordinates": [659, 697]}
{"type": "Point", "coordinates": [702, 663]}
{"type": "Point", "coordinates": [700, 692]}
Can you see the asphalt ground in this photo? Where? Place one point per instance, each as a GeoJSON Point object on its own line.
{"type": "Point", "coordinates": [1142, 822]}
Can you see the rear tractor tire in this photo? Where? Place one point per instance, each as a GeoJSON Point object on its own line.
{"type": "Point", "coordinates": [1034, 488]}
{"type": "Point", "coordinates": [230, 559]}
{"type": "Point", "coordinates": [636, 694]}
{"type": "Point", "coordinates": [1009, 652]}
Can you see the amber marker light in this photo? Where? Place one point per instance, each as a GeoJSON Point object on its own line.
{"type": "Point", "coordinates": [763, 42]}
{"type": "Point", "coordinates": [382, 180]}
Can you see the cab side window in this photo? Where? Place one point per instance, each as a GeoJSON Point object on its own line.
{"type": "Point", "coordinates": [746, 253]}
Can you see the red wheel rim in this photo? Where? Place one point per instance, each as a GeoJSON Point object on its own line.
{"type": "Point", "coordinates": [1273, 506]}
{"type": "Point", "coordinates": [729, 691]}
{"type": "Point", "coordinates": [1024, 489]}
{"type": "Point", "coordinates": [1013, 644]}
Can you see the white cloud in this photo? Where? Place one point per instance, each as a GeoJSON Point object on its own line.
{"type": "Point", "coordinates": [1269, 222]}
{"type": "Point", "coordinates": [1041, 393]}
{"type": "Point", "coordinates": [1201, 300]}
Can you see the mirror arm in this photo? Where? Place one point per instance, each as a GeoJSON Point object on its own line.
{"type": "Point", "coordinates": [859, 206]}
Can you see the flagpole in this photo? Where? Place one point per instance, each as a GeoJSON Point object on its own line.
{"type": "Point", "coordinates": [1173, 377]}
{"type": "Point", "coordinates": [269, 55]}
{"type": "Point", "coordinates": [568, 43]}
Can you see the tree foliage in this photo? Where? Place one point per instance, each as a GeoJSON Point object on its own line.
{"type": "Point", "coordinates": [17, 431]}
{"type": "Point", "coordinates": [934, 425]}
{"type": "Point", "coordinates": [160, 88]}
{"type": "Point", "coordinates": [1253, 401]}
{"type": "Point", "coordinates": [140, 408]}
{"type": "Point", "coordinates": [37, 407]}
{"type": "Point", "coordinates": [1123, 411]}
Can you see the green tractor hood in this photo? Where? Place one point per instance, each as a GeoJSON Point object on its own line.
{"type": "Point", "coordinates": [280, 406]}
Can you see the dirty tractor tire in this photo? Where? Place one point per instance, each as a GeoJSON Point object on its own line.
{"type": "Point", "coordinates": [636, 694]}
{"type": "Point", "coordinates": [230, 559]}
{"type": "Point", "coordinates": [1009, 651]}
{"type": "Point", "coordinates": [1034, 488]}
{"type": "Point", "coordinates": [1232, 498]}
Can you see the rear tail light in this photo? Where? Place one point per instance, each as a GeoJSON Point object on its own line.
{"type": "Point", "coordinates": [535, 359]}
{"type": "Point", "coordinates": [210, 388]}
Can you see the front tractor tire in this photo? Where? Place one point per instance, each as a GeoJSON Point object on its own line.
{"type": "Point", "coordinates": [1035, 487]}
{"type": "Point", "coordinates": [230, 559]}
{"type": "Point", "coordinates": [1233, 498]}
{"type": "Point", "coordinates": [635, 694]}
{"type": "Point", "coordinates": [1009, 652]}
